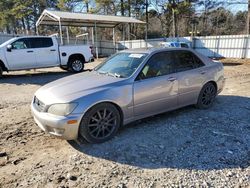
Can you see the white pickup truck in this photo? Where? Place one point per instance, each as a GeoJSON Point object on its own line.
{"type": "Point", "coordinates": [34, 52]}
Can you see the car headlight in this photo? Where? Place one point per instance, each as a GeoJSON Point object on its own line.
{"type": "Point", "coordinates": [62, 109]}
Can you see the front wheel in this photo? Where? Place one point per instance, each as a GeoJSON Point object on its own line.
{"type": "Point", "coordinates": [76, 65]}
{"type": "Point", "coordinates": [207, 96]}
{"type": "Point", "coordinates": [100, 123]}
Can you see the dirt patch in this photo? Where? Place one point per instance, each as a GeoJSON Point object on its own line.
{"type": "Point", "coordinates": [184, 148]}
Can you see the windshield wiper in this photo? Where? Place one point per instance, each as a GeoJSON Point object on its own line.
{"type": "Point", "coordinates": [114, 75]}
{"type": "Point", "coordinates": [110, 74]}
{"type": "Point", "coordinates": [101, 72]}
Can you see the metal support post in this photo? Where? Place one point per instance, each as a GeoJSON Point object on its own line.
{"type": "Point", "coordinates": [60, 29]}
{"type": "Point", "coordinates": [96, 48]}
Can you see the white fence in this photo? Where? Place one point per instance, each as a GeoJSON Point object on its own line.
{"type": "Point", "coordinates": [229, 46]}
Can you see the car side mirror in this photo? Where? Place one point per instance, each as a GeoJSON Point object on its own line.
{"type": "Point", "coordinates": [9, 47]}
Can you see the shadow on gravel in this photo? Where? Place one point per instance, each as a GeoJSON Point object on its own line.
{"type": "Point", "coordinates": [38, 77]}
{"type": "Point", "coordinates": [187, 138]}
{"type": "Point", "coordinates": [231, 64]}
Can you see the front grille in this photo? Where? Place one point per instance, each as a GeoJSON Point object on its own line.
{"type": "Point", "coordinates": [39, 105]}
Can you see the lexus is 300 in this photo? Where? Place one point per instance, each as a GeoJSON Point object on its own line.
{"type": "Point", "coordinates": [130, 85]}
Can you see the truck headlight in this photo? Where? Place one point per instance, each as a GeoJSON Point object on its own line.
{"type": "Point", "coordinates": [62, 109]}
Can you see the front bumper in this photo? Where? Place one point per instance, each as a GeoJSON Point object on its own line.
{"type": "Point", "coordinates": [57, 125]}
{"type": "Point", "coordinates": [221, 84]}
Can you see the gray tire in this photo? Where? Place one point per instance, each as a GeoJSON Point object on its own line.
{"type": "Point", "coordinates": [100, 123]}
{"type": "Point", "coordinates": [207, 96]}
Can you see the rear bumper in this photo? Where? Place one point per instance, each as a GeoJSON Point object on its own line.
{"type": "Point", "coordinates": [91, 59]}
{"type": "Point", "coordinates": [57, 125]}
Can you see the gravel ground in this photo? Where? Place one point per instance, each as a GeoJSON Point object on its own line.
{"type": "Point", "coordinates": [184, 148]}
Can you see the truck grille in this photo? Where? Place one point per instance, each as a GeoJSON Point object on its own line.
{"type": "Point", "coordinates": [39, 105]}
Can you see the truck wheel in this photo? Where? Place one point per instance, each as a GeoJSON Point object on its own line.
{"type": "Point", "coordinates": [76, 65]}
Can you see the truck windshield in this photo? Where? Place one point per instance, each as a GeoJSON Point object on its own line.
{"type": "Point", "coordinates": [121, 65]}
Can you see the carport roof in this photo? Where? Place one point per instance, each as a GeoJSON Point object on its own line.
{"type": "Point", "coordinates": [52, 17]}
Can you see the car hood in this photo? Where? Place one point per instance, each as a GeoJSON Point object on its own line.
{"type": "Point", "coordinates": [73, 87]}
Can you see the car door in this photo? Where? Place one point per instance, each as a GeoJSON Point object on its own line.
{"type": "Point", "coordinates": [46, 52]}
{"type": "Point", "coordinates": [190, 72]}
{"type": "Point", "coordinates": [156, 87]}
{"type": "Point", "coordinates": [21, 55]}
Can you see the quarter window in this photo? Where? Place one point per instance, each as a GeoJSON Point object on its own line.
{"type": "Point", "coordinates": [186, 60]}
{"type": "Point", "coordinates": [158, 65]}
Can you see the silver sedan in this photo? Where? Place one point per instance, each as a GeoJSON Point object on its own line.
{"type": "Point", "coordinates": [130, 85]}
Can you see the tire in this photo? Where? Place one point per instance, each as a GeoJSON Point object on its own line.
{"type": "Point", "coordinates": [76, 65]}
{"type": "Point", "coordinates": [207, 96]}
{"type": "Point", "coordinates": [100, 123]}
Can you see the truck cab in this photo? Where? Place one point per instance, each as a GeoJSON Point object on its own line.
{"type": "Point", "coordinates": [34, 52]}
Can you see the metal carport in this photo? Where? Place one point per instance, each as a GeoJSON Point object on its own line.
{"type": "Point", "coordinates": [62, 18]}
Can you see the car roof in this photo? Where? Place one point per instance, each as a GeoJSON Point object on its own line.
{"type": "Point", "coordinates": [153, 50]}
{"type": "Point", "coordinates": [35, 36]}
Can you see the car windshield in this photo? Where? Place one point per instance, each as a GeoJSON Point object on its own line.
{"type": "Point", "coordinates": [121, 65]}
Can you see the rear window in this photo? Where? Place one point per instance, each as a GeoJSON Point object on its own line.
{"type": "Point", "coordinates": [41, 42]}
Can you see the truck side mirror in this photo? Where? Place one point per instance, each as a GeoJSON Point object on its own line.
{"type": "Point", "coordinates": [9, 47]}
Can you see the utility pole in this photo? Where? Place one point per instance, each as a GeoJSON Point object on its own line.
{"type": "Point", "coordinates": [248, 18]}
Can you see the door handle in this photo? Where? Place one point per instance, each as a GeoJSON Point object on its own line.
{"type": "Point", "coordinates": [30, 51]}
{"type": "Point", "coordinates": [171, 79]}
{"type": "Point", "coordinates": [203, 72]}
{"type": "Point", "coordinates": [53, 50]}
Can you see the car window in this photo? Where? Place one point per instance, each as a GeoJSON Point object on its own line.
{"type": "Point", "coordinates": [20, 44]}
{"type": "Point", "coordinates": [184, 45]}
{"type": "Point", "coordinates": [41, 42]}
{"type": "Point", "coordinates": [186, 60]}
{"type": "Point", "coordinates": [158, 65]}
{"type": "Point", "coordinates": [198, 62]}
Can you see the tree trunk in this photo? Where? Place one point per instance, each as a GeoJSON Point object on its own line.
{"type": "Point", "coordinates": [87, 6]}
{"type": "Point", "coordinates": [147, 17]}
{"type": "Point", "coordinates": [174, 24]}
{"type": "Point", "coordinates": [122, 7]}
{"type": "Point", "coordinates": [24, 27]}
{"type": "Point", "coordinates": [174, 5]}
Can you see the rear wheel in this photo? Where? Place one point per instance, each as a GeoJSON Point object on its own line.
{"type": "Point", "coordinates": [76, 64]}
{"type": "Point", "coordinates": [100, 123]}
{"type": "Point", "coordinates": [207, 96]}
